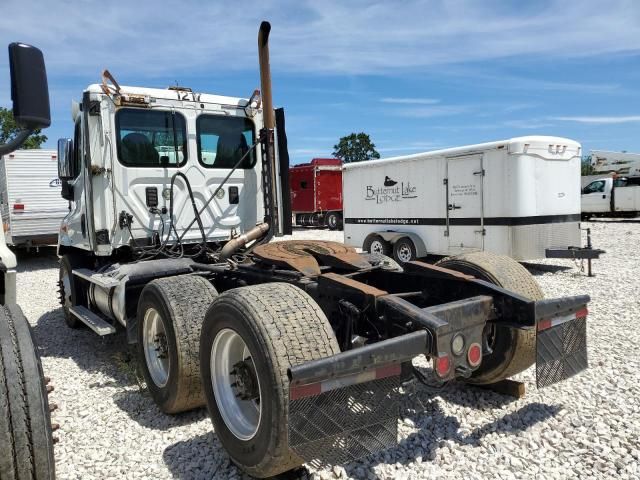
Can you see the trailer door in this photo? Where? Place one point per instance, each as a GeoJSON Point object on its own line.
{"type": "Point", "coordinates": [465, 212]}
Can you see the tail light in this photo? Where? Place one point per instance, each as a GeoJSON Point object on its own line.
{"type": "Point", "coordinates": [442, 365]}
{"type": "Point", "coordinates": [18, 206]}
{"type": "Point", "coordinates": [474, 354]}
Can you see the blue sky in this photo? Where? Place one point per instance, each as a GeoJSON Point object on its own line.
{"type": "Point", "coordinates": [415, 75]}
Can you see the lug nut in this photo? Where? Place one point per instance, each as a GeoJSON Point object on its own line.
{"type": "Point", "coordinates": [53, 406]}
{"type": "Point", "coordinates": [50, 388]}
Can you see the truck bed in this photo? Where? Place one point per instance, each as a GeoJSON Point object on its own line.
{"type": "Point", "coordinates": [627, 199]}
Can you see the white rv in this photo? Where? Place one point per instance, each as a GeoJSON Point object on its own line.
{"type": "Point", "coordinates": [30, 200]}
{"type": "Point", "coordinates": [517, 197]}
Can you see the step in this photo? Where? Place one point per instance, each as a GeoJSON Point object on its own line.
{"type": "Point", "coordinates": [91, 320]}
{"type": "Point", "coordinates": [104, 281]}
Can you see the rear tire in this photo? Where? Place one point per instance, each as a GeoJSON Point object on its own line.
{"type": "Point", "coordinates": [170, 315]}
{"type": "Point", "coordinates": [72, 290]}
{"type": "Point", "coordinates": [404, 251]}
{"type": "Point", "coordinates": [25, 423]}
{"type": "Point", "coordinates": [280, 326]}
{"type": "Point", "coordinates": [375, 244]}
{"type": "Point", "coordinates": [333, 220]}
{"type": "Point", "coordinates": [514, 350]}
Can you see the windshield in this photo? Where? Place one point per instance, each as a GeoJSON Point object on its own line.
{"type": "Point", "coordinates": [222, 141]}
{"type": "Point", "coordinates": [151, 138]}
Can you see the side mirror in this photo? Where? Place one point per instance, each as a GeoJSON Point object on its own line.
{"type": "Point", "coordinates": [29, 88]}
{"type": "Point", "coordinates": [66, 165]}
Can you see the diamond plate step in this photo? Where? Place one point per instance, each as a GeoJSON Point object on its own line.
{"type": "Point", "coordinates": [91, 320]}
{"type": "Point", "coordinates": [104, 281]}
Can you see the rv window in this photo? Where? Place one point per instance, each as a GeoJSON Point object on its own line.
{"type": "Point", "coordinates": [151, 138]}
{"type": "Point", "coordinates": [222, 141]}
{"type": "Point", "coordinates": [594, 187]}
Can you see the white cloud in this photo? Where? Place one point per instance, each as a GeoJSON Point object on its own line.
{"type": "Point", "coordinates": [601, 120]}
{"type": "Point", "coordinates": [411, 101]}
{"type": "Point", "coordinates": [158, 38]}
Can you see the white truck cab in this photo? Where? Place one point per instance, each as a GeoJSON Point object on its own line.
{"type": "Point", "coordinates": [611, 197]}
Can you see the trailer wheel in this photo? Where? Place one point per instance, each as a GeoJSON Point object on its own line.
{"type": "Point", "coordinates": [374, 243]}
{"type": "Point", "coordinates": [170, 314]}
{"type": "Point", "coordinates": [250, 337]}
{"type": "Point", "coordinates": [513, 350]}
{"type": "Point", "coordinates": [333, 220]}
{"type": "Point", "coordinates": [404, 251]}
{"type": "Point", "coordinates": [70, 288]}
{"type": "Point", "coordinates": [25, 423]}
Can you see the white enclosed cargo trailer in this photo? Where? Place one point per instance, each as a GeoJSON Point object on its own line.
{"type": "Point", "coordinates": [30, 197]}
{"type": "Point", "coordinates": [517, 197]}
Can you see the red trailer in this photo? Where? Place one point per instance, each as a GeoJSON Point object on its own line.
{"type": "Point", "coordinates": [316, 193]}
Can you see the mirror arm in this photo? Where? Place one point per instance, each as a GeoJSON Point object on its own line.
{"type": "Point", "coordinates": [16, 142]}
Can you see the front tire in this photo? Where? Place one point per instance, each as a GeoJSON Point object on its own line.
{"type": "Point", "coordinates": [513, 350]}
{"type": "Point", "coordinates": [25, 425]}
{"type": "Point", "coordinates": [273, 326]}
{"type": "Point", "coordinates": [170, 315]}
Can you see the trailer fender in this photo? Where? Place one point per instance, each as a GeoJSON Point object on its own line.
{"type": "Point", "coordinates": [393, 237]}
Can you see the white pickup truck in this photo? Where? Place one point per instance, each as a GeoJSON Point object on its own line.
{"type": "Point", "coordinates": [611, 197]}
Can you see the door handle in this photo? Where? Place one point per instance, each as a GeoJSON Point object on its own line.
{"type": "Point", "coordinates": [604, 196]}
{"type": "Point", "coordinates": [453, 206]}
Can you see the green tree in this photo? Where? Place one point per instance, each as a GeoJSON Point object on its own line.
{"type": "Point", "coordinates": [356, 147]}
{"type": "Point", "coordinates": [586, 167]}
{"type": "Point", "coordinates": [9, 127]}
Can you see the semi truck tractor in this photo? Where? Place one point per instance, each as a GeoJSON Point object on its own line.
{"type": "Point", "coordinates": [26, 441]}
{"type": "Point", "coordinates": [316, 193]}
{"type": "Point", "coordinates": [611, 196]}
{"type": "Point", "coordinates": [175, 196]}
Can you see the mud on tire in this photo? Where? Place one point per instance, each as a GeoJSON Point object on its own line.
{"type": "Point", "coordinates": [281, 326]}
{"type": "Point", "coordinates": [181, 303]}
{"type": "Point", "coordinates": [513, 350]}
{"type": "Point", "coordinates": [26, 443]}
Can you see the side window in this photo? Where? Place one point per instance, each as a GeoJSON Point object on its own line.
{"type": "Point", "coordinates": [151, 138]}
{"type": "Point", "coordinates": [594, 187]}
{"type": "Point", "coordinates": [77, 147]}
{"type": "Point", "coordinates": [223, 140]}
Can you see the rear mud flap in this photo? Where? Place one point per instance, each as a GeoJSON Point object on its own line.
{"type": "Point", "coordinates": [341, 424]}
{"type": "Point", "coordinates": [561, 349]}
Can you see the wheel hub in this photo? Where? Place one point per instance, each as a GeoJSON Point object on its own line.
{"type": "Point", "coordinates": [246, 380]}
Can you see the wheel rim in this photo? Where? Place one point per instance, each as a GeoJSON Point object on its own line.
{"type": "Point", "coordinates": [377, 247]}
{"type": "Point", "coordinates": [235, 384]}
{"type": "Point", "coordinates": [332, 221]}
{"type": "Point", "coordinates": [156, 347]}
{"type": "Point", "coordinates": [404, 253]}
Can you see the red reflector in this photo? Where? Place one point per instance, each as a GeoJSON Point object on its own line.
{"type": "Point", "coordinates": [474, 354]}
{"type": "Point", "coordinates": [544, 324]}
{"type": "Point", "coordinates": [583, 312]}
{"type": "Point", "coordinates": [388, 371]}
{"type": "Point", "coordinates": [443, 365]}
{"type": "Point", "coordinates": [18, 206]}
{"type": "Point", "coordinates": [302, 391]}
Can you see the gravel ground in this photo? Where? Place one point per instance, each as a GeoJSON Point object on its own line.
{"type": "Point", "coordinates": [588, 426]}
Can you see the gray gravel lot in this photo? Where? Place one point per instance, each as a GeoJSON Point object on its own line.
{"type": "Point", "coordinates": [588, 426]}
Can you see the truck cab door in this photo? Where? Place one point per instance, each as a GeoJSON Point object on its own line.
{"type": "Point", "coordinates": [596, 196]}
{"type": "Point", "coordinates": [465, 209]}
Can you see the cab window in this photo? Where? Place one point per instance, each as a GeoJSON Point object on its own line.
{"type": "Point", "coordinates": [223, 140]}
{"type": "Point", "coordinates": [594, 187]}
{"type": "Point", "coordinates": [151, 138]}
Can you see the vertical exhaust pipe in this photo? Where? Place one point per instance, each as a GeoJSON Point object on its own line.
{"type": "Point", "coordinates": [269, 157]}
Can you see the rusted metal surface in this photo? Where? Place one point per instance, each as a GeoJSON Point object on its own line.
{"type": "Point", "coordinates": [334, 278]}
{"type": "Point", "coordinates": [307, 256]}
{"type": "Point", "coordinates": [434, 271]}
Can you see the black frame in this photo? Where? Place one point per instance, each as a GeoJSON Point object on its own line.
{"type": "Point", "coordinates": [145, 110]}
